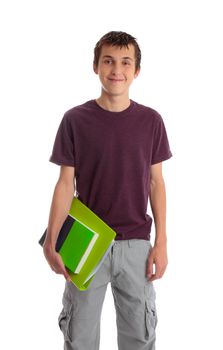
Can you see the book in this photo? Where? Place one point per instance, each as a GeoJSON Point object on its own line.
{"type": "Point", "coordinates": [74, 243]}
{"type": "Point", "coordinates": [84, 241]}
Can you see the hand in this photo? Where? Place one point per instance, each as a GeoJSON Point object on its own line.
{"type": "Point", "coordinates": [55, 261]}
{"type": "Point", "coordinates": [157, 256]}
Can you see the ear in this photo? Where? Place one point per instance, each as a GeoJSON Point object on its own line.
{"type": "Point", "coordinates": [95, 68]}
{"type": "Point", "coordinates": [137, 73]}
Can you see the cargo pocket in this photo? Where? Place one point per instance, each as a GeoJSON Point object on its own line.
{"type": "Point", "coordinates": [150, 319]}
{"type": "Point", "coordinates": [64, 321]}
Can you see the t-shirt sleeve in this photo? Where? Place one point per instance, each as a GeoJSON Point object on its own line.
{"type": "Point", "coordinates": [161, 148]}
{"type": "Point", "coordinates": [63, 152]}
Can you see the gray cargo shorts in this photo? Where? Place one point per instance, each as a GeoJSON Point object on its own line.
{"type": "Point", "coordinates": [134, 300]}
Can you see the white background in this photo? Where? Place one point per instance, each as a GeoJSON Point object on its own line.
{"type": "Point", "coordinates": [46, 68]}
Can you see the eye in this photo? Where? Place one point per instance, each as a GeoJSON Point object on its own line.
{"type": "Point", "coordinates": [108, 61]}
{"type": "Point", "coordinates": [126, 63]}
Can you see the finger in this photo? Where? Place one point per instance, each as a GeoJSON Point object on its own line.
{"type": "Point", "coordinates": [53, 268]}
{"type": "Point", "coordinates": [154, 276]}
{"type": "Point", "coordinates": [162, 272]}
{"type": "Point", "coordinates": [157, 275]}
{"type": "Point", "coordinates": [59, 265]}
{"type": "Point", "coordinates": [64, 273]}
{"type": "Point", "coordinates": [150, 268]}
{"type": "Point", "coordinates": [67, 276]}
{"type": "Point", "coordinates": [68, 279]}
{"type": "Point", "coordinates": [57, 268]}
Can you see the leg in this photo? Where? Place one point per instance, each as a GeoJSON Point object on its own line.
{"type": "Point", "coordinates": [134, 296]}
{"type": "Point", "coordinates": [79, 319]}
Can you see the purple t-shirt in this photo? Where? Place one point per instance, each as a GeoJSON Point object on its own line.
{"type": "Point", "coordinates": [112, 153]}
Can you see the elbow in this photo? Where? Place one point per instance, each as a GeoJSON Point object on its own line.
{"type": "Point", "coordinates": [156, 181]}
{"type": "Point", "coordinates": [66, 185]}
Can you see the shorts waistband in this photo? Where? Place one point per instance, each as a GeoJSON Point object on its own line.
{"type": "Point", "coordinates": [131, 242]}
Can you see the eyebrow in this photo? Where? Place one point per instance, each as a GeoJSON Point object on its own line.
{"type": "Point", "coordinates": [125, 58]}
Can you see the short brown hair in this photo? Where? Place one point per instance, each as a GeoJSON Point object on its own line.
{"type": "Point", "coordinates": [115, 38]}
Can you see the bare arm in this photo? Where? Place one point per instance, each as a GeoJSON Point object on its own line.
{"type": "Point", "coordinates": [60, 206]}
{"type": "Point", "coordinates": [158, 202]}
{"type": "Point", "coordinates": [158, 255]}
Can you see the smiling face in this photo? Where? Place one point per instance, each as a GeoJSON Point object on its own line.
{"type": "Point", "coordinates": [116, 69]}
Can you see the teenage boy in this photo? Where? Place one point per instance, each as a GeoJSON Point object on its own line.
{"type": "Point", "coordinates": [114, 147]}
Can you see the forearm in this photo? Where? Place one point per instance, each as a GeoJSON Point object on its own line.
{"type": "Point", "coordinates": [158, 206]}
{"type": "Point", "coordinates": [60, 206]}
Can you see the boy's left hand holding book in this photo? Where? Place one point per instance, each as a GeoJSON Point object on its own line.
{"type": "Point", "coordinates": [55, 261]}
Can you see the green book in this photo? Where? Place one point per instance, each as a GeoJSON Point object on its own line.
{"type": "Point", "coordinates": [83, 242]}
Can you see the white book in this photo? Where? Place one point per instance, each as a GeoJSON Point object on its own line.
{"type": "Point", "coordinates": [87, 252]}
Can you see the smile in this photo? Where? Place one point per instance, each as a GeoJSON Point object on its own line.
{"type": "Point", "coordinates": [116, 80]}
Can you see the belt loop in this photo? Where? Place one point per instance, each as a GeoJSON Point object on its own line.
{"type": "Point", "coordinates": [129, 243]}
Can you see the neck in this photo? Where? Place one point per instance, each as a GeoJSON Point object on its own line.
{"type": "Point", "coordinates": [113, 103]}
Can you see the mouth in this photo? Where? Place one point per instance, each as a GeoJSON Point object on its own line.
{"type": "Point", "coordinates": [115, 80]}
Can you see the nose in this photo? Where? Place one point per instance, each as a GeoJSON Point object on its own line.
{"type": "Point", "coordinates": [116, 68]}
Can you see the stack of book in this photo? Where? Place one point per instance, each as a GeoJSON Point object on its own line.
{"type": "Point", "coordinates": [83, 243]}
